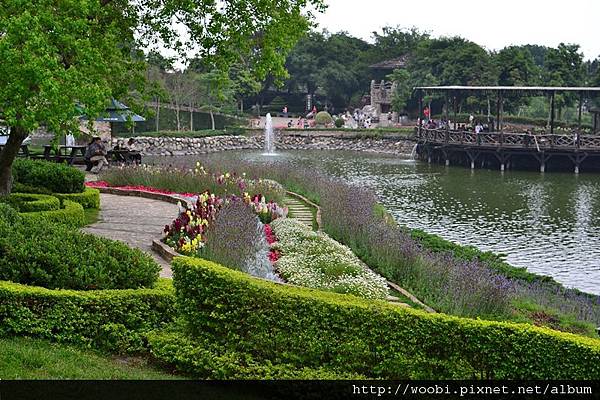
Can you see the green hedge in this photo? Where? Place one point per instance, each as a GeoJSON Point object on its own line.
{"type": "Point", "coordinates": [58, 178]}
{"type": "Point", "coordinates": [315, 329]}
{"type": "Point", "coordinates": [115, 320]}
{"type": "Point", "coordinates": [29, 202]}
{"type": "Point", "coordinates": [8, 214]}
{"type": "Point", "coordinates": [56, 256]}
{"type": "Point", "coordinates": [90, 198]}
{"type": "Point", "coordinates": [19, 187]}
{"type": "Point", "coordinates": [71, 215]}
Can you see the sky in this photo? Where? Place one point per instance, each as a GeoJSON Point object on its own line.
{"type": "Point", "coordinates": [491, 24]}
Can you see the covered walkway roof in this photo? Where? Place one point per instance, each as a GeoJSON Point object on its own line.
{"type": "Point", "coordinates": [543, 89]}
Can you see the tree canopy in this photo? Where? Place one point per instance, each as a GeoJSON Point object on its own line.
{"type": "Point", "coordinates": [56, 54]}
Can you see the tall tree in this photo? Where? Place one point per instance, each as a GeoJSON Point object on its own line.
{"type": "Point", "coordinates": [516, 67]}
{"type": "Point", "coordinates": [564, 67]}
{"type": "Point", "coordinates": [215, 90]}
{"type": "Point", "coordinates": [56, 53]}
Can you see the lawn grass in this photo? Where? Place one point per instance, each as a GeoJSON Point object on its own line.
{"type": "Point", "coordinates": [25, 358]}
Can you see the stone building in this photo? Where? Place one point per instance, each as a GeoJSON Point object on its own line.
{"type": "Point", "coordinates": [382, 91]}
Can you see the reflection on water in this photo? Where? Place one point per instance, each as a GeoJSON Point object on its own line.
{"type": "Point", "coordinates": [549, 223]}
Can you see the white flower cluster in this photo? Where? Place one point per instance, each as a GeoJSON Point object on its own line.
{"type": "Point", "coordinates": [315, 260]}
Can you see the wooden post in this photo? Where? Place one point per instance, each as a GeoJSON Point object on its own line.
{"type": "Point", "coordinates": [498, 111]}
{"type": "Point", "coordinates": [579, 115]}
{"type": "Point", "coordinates": [454, 117]}
{"type": "Point", "coordinates": [552, 114]}
{"type": "Point", "coordinates": [446, 105]}
{"type": "Point", "coordinates": [420, 117]}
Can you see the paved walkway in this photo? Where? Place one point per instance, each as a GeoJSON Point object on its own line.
{"type": "Point", "coordinates": [299, 210]}
{"type": "Point", "coordinates": [135, 221]}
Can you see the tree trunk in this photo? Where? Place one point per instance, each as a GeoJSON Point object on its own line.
{"type": "Point", "coordinates": [242, 106]}
{"type": "Point", "coordinates": [7, 156]}
{"type": "Point", "coordinates": [191, 117]}
{"type": "Point", "coordinates": [177, 117]}
{"type": "Point", "coordinates": [157, 114]}
{"type": "Point", "coordinates": [212, 119]}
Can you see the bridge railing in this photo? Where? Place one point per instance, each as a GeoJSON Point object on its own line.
{"type": "Point", "coordinates": [509, 139]}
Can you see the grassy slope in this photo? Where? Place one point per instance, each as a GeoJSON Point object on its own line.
{"type": "Point", "coordinates": [24, 358]}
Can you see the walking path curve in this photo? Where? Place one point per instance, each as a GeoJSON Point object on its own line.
{"type": "Point", "coordinates": [135, 221]}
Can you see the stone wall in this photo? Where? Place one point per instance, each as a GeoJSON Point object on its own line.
{"type": "Point", "coordinates": [190, 146]}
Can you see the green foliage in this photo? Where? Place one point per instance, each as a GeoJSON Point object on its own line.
{"type": "Point", "coordinates": [323, 118]}
{"type": "Point", "coordinates": [292, 325]}
{"type": "Point", "coordinates": [205, 359]}
{"type": "Point", "coordinates": [403, 92]}
{"type": "Point", "coordinates": [495, 261]}
{"type": "Point", "coordinates": [28, 202]}
{"type": "Point", "coordinates": [26, 358]}
{"type": "Point", "coordinates": [59, 178]}
{"type": "Point", "coordinates": [72, 215]}
{"type": "Point", "coordinates": [56, 256]}
{"type": "Point", "coordinates": [339, 123]}
{"type": "Point", "coordinates": [8, 214]}
{"type": "Point", "coordinates": [19, 187]}
{"type": "Point", "coordinates": [277, 104]}
{"type": "Point", "coordinates": [92, 318]}
{"type": "Point", "coordinates": [90, 198]}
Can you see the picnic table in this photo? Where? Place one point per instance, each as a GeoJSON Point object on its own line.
{"type": "Point", "coordinates": [23, 151]}
{"type": "Point", "coordinates": [64, 153]}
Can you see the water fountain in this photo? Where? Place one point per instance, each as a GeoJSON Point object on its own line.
{"type": "Point", "coordinates": [413, 153]}
{"type": "Point", "coordinates": [269, 136]}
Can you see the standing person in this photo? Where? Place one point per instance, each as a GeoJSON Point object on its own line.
{"type": "Point", "coordinates": [471, 118]}
{"type": "Point", "coordinates": [95, 156]}
{"type": "Point", "coordinates": [478, 127]}
{"type": "Point", "coordinates": [285, 111]}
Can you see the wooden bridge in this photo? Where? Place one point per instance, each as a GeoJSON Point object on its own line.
{"type": "Point", "coordinates": [507, 148]}
{"type": "Point", "coordinates": [444, 145]}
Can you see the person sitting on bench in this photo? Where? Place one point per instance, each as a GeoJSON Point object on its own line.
{"type": "Point", "coordinates": [95, 156]}
{"type": "Point", "coordinates": [133, 155]}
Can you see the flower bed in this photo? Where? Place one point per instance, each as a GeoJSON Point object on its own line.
{"type": "Point", "coordinates": [315, 260]}
{"type": "Point", "coordinates": [138, 188]}
{"type": "Point", "coordinates": [187, 233]}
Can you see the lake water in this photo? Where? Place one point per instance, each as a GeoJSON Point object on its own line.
{"type": "Point", "coordinates": [548, 223]}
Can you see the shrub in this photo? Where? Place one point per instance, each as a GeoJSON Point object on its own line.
{"type": "Point", "coordinates": [205, 359]}
{"type": "Point", "coordinates": [19, 187]}
{"type": "Point", "coordinates": [308, 329]}
{"type": "Point", "coordinates": [339, 122]}
{"type": "Point", "coordinates": [111, 319]}
{"type": "Point", "coordinates": [72, 215]}
{"type": "Point", "coordinates": [323, 118]}
{"type": "Point", "coordinates": [58, 178]}
{"type": "Point", "coordinates": [55, 256]}
{"type": "Point", "coordinates": [315, 260]}
{"type": "Point", "coordinates": [90, 198]}
{"type": "Point", "coordinates": [8, 214]}
{"type": "Point", "coordinates": [29, 202]}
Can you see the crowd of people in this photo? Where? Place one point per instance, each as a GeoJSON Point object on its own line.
{"type": "Point", "coordinates": [472, 126]}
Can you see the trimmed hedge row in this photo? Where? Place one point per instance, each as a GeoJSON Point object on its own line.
{"type": "Point", "coordinates": [71, 215]}
{"type": "Point", "coordinates": [313, 329]}
{"type": "Point", "coordinates": [28, 202]}
{"type": "Point", "coordinates": [90, 198]}
{"type": "Point", "coordinates": [204, 359]}
{"type": "Point", "coordinates": [56, 256]}
{"type": "Point", "coordinates": [58, 178]}
{"type": "Point", "coordinates": [115, 320]}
